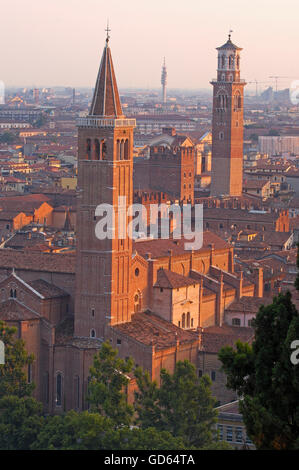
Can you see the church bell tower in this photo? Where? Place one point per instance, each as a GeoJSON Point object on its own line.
{"type": "Point", "coordinates": [105, 170]}
{"type": "Point", "coordinates": [227, 126]}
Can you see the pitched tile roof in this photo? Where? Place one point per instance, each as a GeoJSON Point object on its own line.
{"type": "Point", "coordinates": [149, 329]}
{"type": "Point", "coordinates": [47, 290]}
{"type": "Point", "coordinates": [170, 280]}
{"type": "Point", "coordinates": [216, 337]}
{"type": "Point", "coordinates": [248, 304]}
{"type": "Point", "coordinates": [13, 310]}
{"type": "Point", "coordinates": [32, 261]}
{"type": "Point", "coordinates": [159, 248]}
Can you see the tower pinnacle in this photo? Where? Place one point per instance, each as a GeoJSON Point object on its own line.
{"type": "Point", "coordinates": [106, 101]}
{"type": "Point", "coordinates": [107, 31]}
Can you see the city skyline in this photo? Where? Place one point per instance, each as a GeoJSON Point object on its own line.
{"type": "Point", "coordinates": [59, 43]}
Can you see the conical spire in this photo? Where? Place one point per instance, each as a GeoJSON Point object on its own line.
{"type": "Point", "coordinates": [106, 102]}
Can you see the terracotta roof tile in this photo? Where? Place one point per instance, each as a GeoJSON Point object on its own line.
{"type": "Point", "coordinates": [216, 337]}
{"type": "Point", "coordinates": [13, 310]}
{"type": "Point", "coordinates": [159, 248]}
{"type": "Point", "coordinates": [170, 280]}
{"type": "Point", "coordinates": [49, 291]}
{"type": "Point", "coordinates": [48, 262]}
{"type": "Point", "coordinates": [149, 329]}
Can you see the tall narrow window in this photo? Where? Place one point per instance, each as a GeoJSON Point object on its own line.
{"type": "Point", "coordinates": [29, 378]}
{"type": "Point", "coordinates": [126, 150]}
{"type": "Point", "coordinates": [58, 389]}
{"type": "Point", "coordinates": [88, 149]}
{"type": "Point", "coordinates": [103, 149]}
{"type": "Point", "coordinates": [184, 320]}
{"type": "Point", "coordinates": [188, 319]}
{"type": "Point", "coordinates": [77, 391]}
{"type": "Point", "coordinates": [118, 149]}
{"type": "Point", "coordinates": [97, 149]}
{"type": "Point", "coordinates": [46, 387]}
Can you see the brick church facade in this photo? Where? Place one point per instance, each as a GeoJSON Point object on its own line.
{"type": "Point", "coordinates": [151, 299]}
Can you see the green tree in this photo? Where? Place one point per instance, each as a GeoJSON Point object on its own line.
{"type": "Point", "coordinates": [75, 431]}
{"type": "Point", "coordinates": [13, 379]}
{"type": "Point", "coordinates": [265, 378]}
{"type": "Point", "coordinates": [107, 387]}
{"type": "Point", "coordinates": [183, 405]}
{"type": "Point", "coordinates": [20, 422]}
{"type": "Point", "coordinates": [92, 431]}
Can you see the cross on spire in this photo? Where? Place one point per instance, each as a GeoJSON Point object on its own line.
{"type": "Point", "coordinates": [107, 31]}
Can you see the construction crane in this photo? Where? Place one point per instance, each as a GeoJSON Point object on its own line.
{"type": "Point", "coordinates": [257, 82]}
{"type": "Point", "coordinates": [276, 77]}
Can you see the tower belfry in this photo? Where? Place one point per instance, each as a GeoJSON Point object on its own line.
{"type": "Point", "coordinates": [105, 169]}
{"type": "Point", "coordinates": [227, 126]}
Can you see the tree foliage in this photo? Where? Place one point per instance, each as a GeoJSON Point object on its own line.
{"type": "Point", "coordinates": [264, 376]}
{"type": "Point", "coordinates": [182, 405]}
{"type": "Point", "coordinates": [20, 422]}
{"type": "Point", "coordinates": [109, 379]}
{"type": "Point", "coordinates": [13, 378]}
{"type": "Point", "coordinates": [92, 431]}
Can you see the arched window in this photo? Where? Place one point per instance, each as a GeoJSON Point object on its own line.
{"type": "Point", "coordinates": [137, 302]}
{"type": "Point", "coordinates": [223, 61]}
{"type": "Point", "coordinates": [126, 150]}
{"type": "Point", "coordinates": [103, 149]}
{"type": "Point", "coordinates": [92, 333]}
{"type": "Point", "coordinates": [188, 319]}
{"type": "Point", "coordinates": [88, 149]}
{"type": "Point", "coordinates": [122, 150]}
{"type": "Point", "coordinates": [222, 101]}
{"type": "Point", "coordinates": [238, 62]}
{"type": "Point", "coordinates": [231, 61]}
{"type": "Point", "coordinates": [221, 135]}
{"type": "Point", "coordinates": [58, 389]}
{"type": "Point", "coordinates": [97, 149]}
{"type": "Point", "coordinates": [118, 149]}
{"type": "Point", "coordinates": [237, 101]}
{"type": "Point", "coordinates": [11, 293]}
{"type": "Point", "coordinates": [184, 320]}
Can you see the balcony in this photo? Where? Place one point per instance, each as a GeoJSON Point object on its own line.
{"type": "Point", "coordinates": [240, 80]}
{"type": "Point", "coordinates": [93, 121]}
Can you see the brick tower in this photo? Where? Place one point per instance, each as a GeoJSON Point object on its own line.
{"type": "Point", "coordinates": [227, 133]}
{"type": "Point", "coordinates": [105, 173]}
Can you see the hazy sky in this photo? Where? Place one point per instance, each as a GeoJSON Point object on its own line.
{"type": "Point", "coordinates": [60, 42]}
